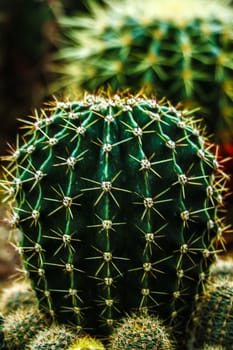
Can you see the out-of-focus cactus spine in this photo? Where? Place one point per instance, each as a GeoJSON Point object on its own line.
{"type": "Point", "coordinates": [18, 295]}
{"type": "Point", "coordinates": [182, 51]}
{"type": "Point", "coordinates": [117, 199]}
{"type": "Point", "coordinates": [221, 269]}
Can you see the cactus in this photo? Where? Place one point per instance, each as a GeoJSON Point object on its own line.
{"type": "Point", "coordinates": [182, 51]}
{"type": "Point", "coordinates": [2, 338]}
{"type": "Point", "coordinates": [21, 326]}
{"type": "Point", "coordinates": [16, 296]}
{"type": "Point", "coordinates": [86, 343]}
{"type": "Point", "coordinates": [140, 332]}
{"type": "Point", "coordinates": [213, 317]}
{"type": "Point", "coordinates": [209, 347]}
{"type": "Point", "coordinates": [117, 198]}
{"type": "Point", "coordinates": [221, 269]}
{"type": "Point", "coordinates": [54, 337]}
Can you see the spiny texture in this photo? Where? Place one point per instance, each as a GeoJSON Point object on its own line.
{"type": "Point", "coordinates": [21, 326]}
{"type": "Point", "coordinates": [2, 338]}
{"type": "Point", "coordinates": [117, 200]}
{"type": "Point", "coordinates": [52, 338]}
{"type": "Point", "coordinates": [87, 343]}
{"type": "Point", "coordinates": [213, 318]}
{"type": "Point", "coordinates": [140, 332]}
{"type": "Point", "coordinates": [221, 269]}
{"type": "Point", "coordinates": [183, 51]}
{"type": "Point", "coordinates": [16, 296]}
{"type": "Point", "coordinates": [210, 347]}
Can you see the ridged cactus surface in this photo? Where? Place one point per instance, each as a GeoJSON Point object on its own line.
{"type": "Point", "coordinates": [179, 50]}
{"type": "Point", "coordinates": [141, 332]}
{"type": "Point", "coordinates": [117, 200]}
{"type": "Point", "coordinates": [213, 318]}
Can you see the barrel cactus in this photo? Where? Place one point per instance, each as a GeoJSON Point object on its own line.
{"type": "Point", "coordinates": [21, 326]}
{"type": "Point", "coordinates": [182, 51]}
{"type": "Point", "coordinates": [141, 332]}
{"type": "Point", "coordinates": [117, 198]}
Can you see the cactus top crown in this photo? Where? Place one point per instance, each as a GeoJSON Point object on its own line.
{"type": "Point", "coordinates": [117, 200]}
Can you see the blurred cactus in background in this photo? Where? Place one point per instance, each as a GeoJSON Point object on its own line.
{"type": "Point", "coordinates": [176, 50]}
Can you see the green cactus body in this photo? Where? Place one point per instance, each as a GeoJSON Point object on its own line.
{"type": "Point", "coordinates": [213, 318]}
{"type": "Point", "coordinates": [21, 326]}
{"type": "Point", "coordinates": [178, 50]}
{"type": "Point", "coordinates": [141, 332]}
{"type": "Point", "coordinates": [54, 337]}
{"type": "Point", "coordinates": [117, 201]}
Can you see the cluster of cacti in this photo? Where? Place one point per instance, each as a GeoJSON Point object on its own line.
{"type": "Point", "coordinates": [212, 321]}
{"type": "Point", "coordinates": [117, 199]}
{"type": "Point", "coordinates": [180, 51]}
{"type": "Point", "coordinates": [140, 332]}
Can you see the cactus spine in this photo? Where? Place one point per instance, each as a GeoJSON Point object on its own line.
{"type": "Point", "coordinates": [213, 318]}
{"type": "Point", "coordinates": [221, 269]}
{"type": "Point", "coordinates": [17, 296]}
{"type": "Point", "coordinates": [140, 332]}
{"type": "Point", "coordinates": [21, 326]}
{"type": "Point", "coordinates": [54, 337]}
{"type": "Point", "coordinates": [117, 200]}
{"type": "Point", "coordinates": [178, 50]}
{"type": "Point", "coordinates": [86, 343]}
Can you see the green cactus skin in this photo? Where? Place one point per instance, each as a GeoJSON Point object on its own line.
{"type": "Point", "coordinates": [54, 337]}
{"type": "Point", "coordinates": [21, 326]}
{"type": "Point", "coordinates": [213, 317]}
{"type": "Point", "coordinates": [178, 50]}
{"type": "Point", "coordinates": [117, 200]}
{"type": "Point", "coordinates": [16, 296]}
{"type": "Point", "coordinates": [140, 332]}
{"type": "Point", "coordinates": [87, 343]}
